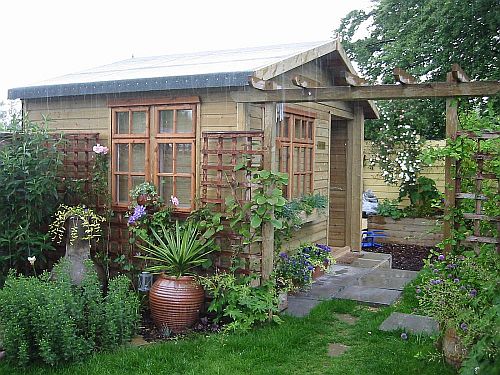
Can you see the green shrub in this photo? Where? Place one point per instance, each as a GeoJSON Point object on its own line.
{"type": "Point", "coordinates": [28, 187]}
{"type": "Point", "coordinates": [462, 292]}
{"type": "Point", "coordinates": [48, 319]}
{"type": "Point", "coordinates": [236, 300]}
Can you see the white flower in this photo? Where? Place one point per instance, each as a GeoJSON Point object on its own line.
{"type": "Point", "coordinates": [32, 260]}
{"type": "Point", "coordinates": [174, 200]}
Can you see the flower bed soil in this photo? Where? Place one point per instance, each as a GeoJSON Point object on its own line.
{"type": "Point", "coordinates": [405, 257]}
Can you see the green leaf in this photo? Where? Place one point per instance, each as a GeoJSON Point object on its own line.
{"type": "Point", "coordinates": [277, 223]}
{"type": "Point", "coordinates": [255, 222]}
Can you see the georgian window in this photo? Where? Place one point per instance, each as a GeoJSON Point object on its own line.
{"type": "Point", "coordinates": [154, 143]}
{"type": "Point", "coordinates": [295, 152]}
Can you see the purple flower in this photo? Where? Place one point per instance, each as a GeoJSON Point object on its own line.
{"type": "Point", "coordinates": [418, 290]}
{"type": "Point", "coordinates": [139, 211]}
{"type": "Point", "coordinates": [441, 257]}
{"type": "Point", "coordinates": [324, 248]}
{"type": "Point", "coordinates": [404, 336]}
{"type": "Point", "coordinates": [456, 280]}
{"type": "Point", "coordinates": [435, 270]}
{"type": "Point", "coordinates": [464, 326]}
{"type": "Point", "coordinates": [451, 266]}
{"type": "Point", "coordinates": [473, 293]}
{"type": "Point", "coordinates": [283, 255]}
{"type": "Point", "coordinates": [310, 268]}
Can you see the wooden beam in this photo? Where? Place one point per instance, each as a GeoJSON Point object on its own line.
{"type": "Point", "coordinates": [449, 183]}
{"type": "Point", "coordinates": [261, 84]}
{"type": "Point", "coordinates": [458, 74]}
{"type": "Point", "coordinates": [304, 82]}
{"type": "Point", "coordinates": [355, 136]}
{"type": "Point", "coordinates": [375, 92]}
{"type": "Point", "coordinates": [403, 77]}
{"type": "Point", "coordinates": [269, 163]}
{"type": "Point", "coordinates": [354, 80]}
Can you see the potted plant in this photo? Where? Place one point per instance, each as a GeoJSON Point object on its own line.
{"type": "Point", "coordinates": [320, 257]}
{"type": "Point", "coordinates": [176, 296]}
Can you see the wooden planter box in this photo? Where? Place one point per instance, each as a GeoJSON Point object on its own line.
{"type": "Point", "coordinates": [408, 231]}
{"type": "Point", "coordinates": [313, 216]}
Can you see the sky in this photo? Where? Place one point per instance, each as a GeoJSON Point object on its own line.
{"type": "Point", "coordinates": [43, 39]}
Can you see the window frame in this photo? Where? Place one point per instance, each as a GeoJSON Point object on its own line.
{"type": "Point", "coordinates": [152, 138]}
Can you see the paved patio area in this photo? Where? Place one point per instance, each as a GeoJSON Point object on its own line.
{"type": "Point", "coordinates": [369, 280]}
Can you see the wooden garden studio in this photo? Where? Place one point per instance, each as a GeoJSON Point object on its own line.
{"type": "Point", "coordinates": [309, 77]}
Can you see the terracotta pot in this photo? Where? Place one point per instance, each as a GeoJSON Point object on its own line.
{"type": "Point", "coordinates": [453, 349]}
{"type": "Point", "coordinates": [317, 272]}
{"type": "Point", "coordinates": [142, 199]}
{"type": "Point", "coordinates": [175, 302]}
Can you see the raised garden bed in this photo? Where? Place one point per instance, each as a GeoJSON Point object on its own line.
{"type": "Point", "coordinates": [408, 231]}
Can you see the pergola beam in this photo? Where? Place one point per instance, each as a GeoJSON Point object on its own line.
{"type": "Point", "coordinates": [374, 92]}
{"type": "Point", "coordinates": [403, 77]}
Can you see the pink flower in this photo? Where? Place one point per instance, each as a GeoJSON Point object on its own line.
{"type": "Point", "coordinates": [174, 200]}
{"type": "Point", "coordinates": [98, 149]}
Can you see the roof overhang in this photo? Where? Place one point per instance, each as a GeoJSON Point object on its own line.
{"type": "Point", "coordinates": [132, 85]}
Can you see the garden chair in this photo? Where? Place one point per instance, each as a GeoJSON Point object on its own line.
{"type": "Point", "coordinates": [369, 238]}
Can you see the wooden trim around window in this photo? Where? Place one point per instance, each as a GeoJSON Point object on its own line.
{"type": "Point", "coordinates": [153, 101]}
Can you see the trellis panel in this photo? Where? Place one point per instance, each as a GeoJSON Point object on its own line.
{"type": "Point", "coordinates": [478, 216]}
{"type": "Point", "coordinates": [221, 152]}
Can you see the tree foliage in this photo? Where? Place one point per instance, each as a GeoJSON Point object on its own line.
{"type": "Point", "coordinates": [424, 37]}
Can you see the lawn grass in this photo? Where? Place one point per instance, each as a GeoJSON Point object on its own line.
{"type": "Point", "coordinates": [297, 346]}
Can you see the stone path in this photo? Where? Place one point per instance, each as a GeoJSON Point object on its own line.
{"type": "Point", "coordinates": [367, 279]}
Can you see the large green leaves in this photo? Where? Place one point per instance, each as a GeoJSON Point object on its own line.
{"type": "Point", "coordinates": [176, 251]}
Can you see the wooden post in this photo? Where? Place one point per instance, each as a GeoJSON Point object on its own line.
{"type": "Point", "coordinates": [269, 164]}
{"type": "Point", "coordinates": [355, 141]}
{"type": "Point", "coordinates": [451, 133]}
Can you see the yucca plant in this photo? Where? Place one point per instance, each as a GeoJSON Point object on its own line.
{"type": "Point", "coordinates": [175, 252]}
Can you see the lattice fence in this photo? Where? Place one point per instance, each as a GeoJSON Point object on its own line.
{"type": "Point", "coordinates": [221, 152]}
{"type": "Point", "coordinates": [480, 235]}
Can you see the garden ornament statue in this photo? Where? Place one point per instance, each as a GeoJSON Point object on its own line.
{"type": "Point", "coordinates": [77, 251]}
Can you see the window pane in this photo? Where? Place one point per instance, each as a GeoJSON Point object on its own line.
{"type": "Point", "coordinates": [136, 180]}
{"type": "Point", "coordinates": [167, 121]}
{"type": "Point", "coordinates": [183, 191]}
{"type": "Point", "coordinates": [298, 128]}
{"type": "Point", "coordinates": [122, 122]}
{"type": "Point", "coordinates": [183, 158]}
{"type": "Point", "coordinates": [122, 189]}
{"type": "Point", "coordinates": [122, 157]}
{"type": "Point", "coordinates": [166, 188]}
{"type": "Point", "coordinates": [185, 121]}
{"type": "Point", "coordinates": [138, 157]}
{"type": "Point", "coordinates": [138, 122]}
{"type": "Point", "coordinates": [278, 129]}
{"type": "Point", "coordinates": [166, 160]}
{"type": "Point", "coordinates": [309, 130]}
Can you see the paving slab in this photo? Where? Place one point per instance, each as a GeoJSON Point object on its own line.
{"type": "Point", "coordinates": [320, 292]}
{"type": "Point", "coordinates": [387, 279]}
{"type": "Point", "coordinates": [410, 323]}
{"type": "Point", "coordinates": [377, 296]}
{"type": "Point", "coordinates": [300, 306]}
{"type": "Point", "coordinates": [336, 350]}
{"type": "Point", "coordinates": [373, 260]}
